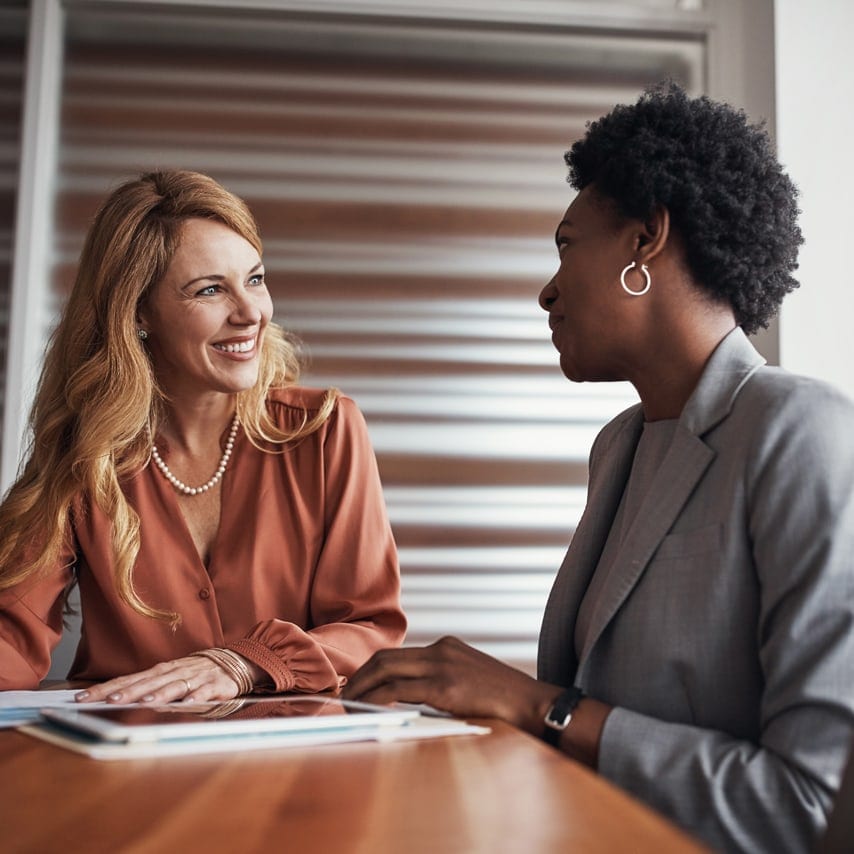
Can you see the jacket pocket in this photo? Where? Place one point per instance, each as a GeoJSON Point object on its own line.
{"type": "Point", "coordinates": [690, 543]}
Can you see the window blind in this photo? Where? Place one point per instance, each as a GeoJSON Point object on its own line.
{"type": "Point", "coordinates": [407, 180]}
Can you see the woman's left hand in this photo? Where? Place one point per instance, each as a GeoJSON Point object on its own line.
{"type": "Point", "coordinates": [188, 679]}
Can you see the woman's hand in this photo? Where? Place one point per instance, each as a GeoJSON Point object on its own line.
{"type": "Point", "coordinates": [456, 678]}
{"type": "Point", "coordinates": [188, 679]}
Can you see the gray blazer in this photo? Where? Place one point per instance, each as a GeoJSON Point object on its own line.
{"type": "Point", "coordinates": [725, 639]}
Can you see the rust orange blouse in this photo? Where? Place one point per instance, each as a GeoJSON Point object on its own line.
{"type": "Point", "coordinates": [303, 577]}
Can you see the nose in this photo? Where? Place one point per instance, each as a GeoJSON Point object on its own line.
{"type": "Point", "coordinates": [245, 309]}
{"type": "Point", "coordinates": [548, 295]}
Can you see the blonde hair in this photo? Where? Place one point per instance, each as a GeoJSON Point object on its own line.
{"type": "Point", "coordinates": [98, 405]}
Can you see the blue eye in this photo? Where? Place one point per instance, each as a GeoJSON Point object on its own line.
{"type": "Point", "coordinates": [257, 279]}
{"type": "Point", "coordinates": [209, 291]}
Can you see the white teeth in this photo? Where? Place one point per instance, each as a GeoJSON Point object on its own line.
{"type": "Point", "coordinates": [242, 347]}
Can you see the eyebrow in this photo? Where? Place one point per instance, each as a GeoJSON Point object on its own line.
{"type": "Point", "coordinates": [216, 277]}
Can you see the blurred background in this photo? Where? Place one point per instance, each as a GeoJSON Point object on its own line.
{"type": "Point", "coordinates": [405, 164]}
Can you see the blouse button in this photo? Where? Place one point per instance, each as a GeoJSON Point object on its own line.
{"type": "Point", "coordinates": [204, 593]}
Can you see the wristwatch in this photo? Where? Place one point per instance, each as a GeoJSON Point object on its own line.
{"type": "Point", "coordinates": [560, 714]}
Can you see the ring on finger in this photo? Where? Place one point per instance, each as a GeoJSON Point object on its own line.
{"type": "Point", "coordinates": [189, 687]}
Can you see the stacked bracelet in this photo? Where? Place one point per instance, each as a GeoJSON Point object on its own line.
{"type": "Point", "coordinates": [223, 710]}
{"type": "Point", "coordinates": [233, 665]}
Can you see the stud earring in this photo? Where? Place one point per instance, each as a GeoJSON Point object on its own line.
{"type": "Point", "coordinates": [141, 334]}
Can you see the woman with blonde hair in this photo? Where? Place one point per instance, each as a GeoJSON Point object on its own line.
{"type": "Point", "coordinates": [226, 526]}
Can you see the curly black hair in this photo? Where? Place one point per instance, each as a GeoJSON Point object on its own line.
{"type": "Point", "coordinates": [729, 199]}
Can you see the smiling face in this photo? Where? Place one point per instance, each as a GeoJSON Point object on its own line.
{"type": "Point", "coordinates": [206, 317]}
{"type": "Point", "coordinates": [584, 299]}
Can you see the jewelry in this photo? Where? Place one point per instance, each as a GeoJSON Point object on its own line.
{"type": "Point", "coordinates": [141, 334]}
{"type": "Point", "coordinates": [646, 276]}
{"type": "Point", "coordinates": [223, 710]}
{"type": "Point", "coordinates": [232, 664]}
{"type": "Point", "coordinates": [560, 714]}
{"type": "Point", "coordinates": [189, 687]}
{"type": "Point", "coordinates": [217, 477]}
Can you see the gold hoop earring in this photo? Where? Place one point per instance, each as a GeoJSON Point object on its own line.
{"type": "Point", "coordinates": [646, 276]}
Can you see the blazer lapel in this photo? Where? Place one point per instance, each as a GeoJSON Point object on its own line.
{"type": "Point", "coordinates": [556, 659]}
{"type": "Point", "coordinates": [729, 367]}
{"type": "Point", "coordinates": [682, 469]}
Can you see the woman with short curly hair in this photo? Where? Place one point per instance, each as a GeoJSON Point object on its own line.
{"type": "Point", "coordinates": [697, 647]}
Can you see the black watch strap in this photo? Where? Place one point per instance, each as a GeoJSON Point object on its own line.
{"type": "Point", "coordinates": [560, 714]}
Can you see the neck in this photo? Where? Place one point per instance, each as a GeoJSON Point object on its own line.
{"type": "Point", "coordinates": [195, 425]}
{"type": "Point", "coordinates": [675, 366]}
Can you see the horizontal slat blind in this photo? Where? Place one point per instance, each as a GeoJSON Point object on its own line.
{"type": "Point", "coordinates": [407, 206]}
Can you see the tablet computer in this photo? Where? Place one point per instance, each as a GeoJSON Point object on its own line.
{"type": "Point", "coordinates": [250, 716]}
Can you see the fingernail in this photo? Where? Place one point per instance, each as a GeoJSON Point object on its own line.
{"type": "Point", "coordinates": [189, 700]}
{"type": "Point", "coordinates": [147, 698]}
{"type": "Point", "coordinates": [115, 697]}
{"type": "Point", "coordinates": [81, 696]}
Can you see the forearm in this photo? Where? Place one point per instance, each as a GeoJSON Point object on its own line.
{"type": "Point", "coordinates": [736, 794]}
{"type": "Point", "coordinates": [319, 659]}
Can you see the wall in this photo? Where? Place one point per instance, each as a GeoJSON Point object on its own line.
{"type": "Point", "coordinates": [815, 126]}
{"type": "Point", "coordinates": [728, 39]}
{"type": "Point", "coordinates": [407, 178]}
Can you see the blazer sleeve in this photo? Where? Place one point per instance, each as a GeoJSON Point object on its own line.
{"type": "Point", "coordinates": [774, 794]}
{"type": "Point", "coordinates": [355, 600]}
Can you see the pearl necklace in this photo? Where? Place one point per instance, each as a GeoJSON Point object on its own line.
{"type": "Point", "coordinates": [198, 490]}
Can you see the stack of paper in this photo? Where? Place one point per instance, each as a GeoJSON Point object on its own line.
{"type": "Point", "coordinates": [21, 707]}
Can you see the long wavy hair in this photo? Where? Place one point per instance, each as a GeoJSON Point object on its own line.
{"type": "Point", "coordinates": [98, 403]}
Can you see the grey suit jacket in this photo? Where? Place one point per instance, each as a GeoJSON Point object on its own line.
{"type": "Point", "coordinates": [725, 638]}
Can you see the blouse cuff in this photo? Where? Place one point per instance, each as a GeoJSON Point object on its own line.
{"type": "Point", "coordinates": [282, 676]}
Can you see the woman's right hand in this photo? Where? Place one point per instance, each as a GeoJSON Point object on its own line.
{"type": "Point", "coordinates": [456, 678]}
{"type": "Point", "coordinates": [188, 679]}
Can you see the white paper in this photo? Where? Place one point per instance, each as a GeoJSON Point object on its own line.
{"type": "Point", "coordinates": [22, 707]}
{"type": "Point", "coordinates": [418, 728]}
{"type": "Point", "coordinates": [35, 699]}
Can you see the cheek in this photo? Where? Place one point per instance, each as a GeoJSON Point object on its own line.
{"type": "Point", "coordinates": [266, 308]}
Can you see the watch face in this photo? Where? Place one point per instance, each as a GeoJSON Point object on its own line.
{"type": "Point", "coordinates": [560, 714]}
{"type": "Point", "coordinates": [556, 722]}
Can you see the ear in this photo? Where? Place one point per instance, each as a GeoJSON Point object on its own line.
{"type": "Point", "coordinates": [141, 319]}
{"type": "Point", "coordinates": [653, 235]}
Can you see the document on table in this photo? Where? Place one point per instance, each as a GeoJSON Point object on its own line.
{"type": "Point", "coordinates": [419, 728]}
{"type": "Point", "coordinates": [180, 729]}
{"type": "Point", "coordinates": [22, 707]}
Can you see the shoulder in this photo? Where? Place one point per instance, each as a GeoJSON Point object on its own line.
{"type": "Point", "coordinates": [791, 426]}
{"type": "Point", "coordinates": [780, 387]}
{"type": "Point", "coordinates": [781, 403]}
{"type": "Point", "coordinates": [297, 397]}
{"type": "Point", "coordinates": [292, 405]}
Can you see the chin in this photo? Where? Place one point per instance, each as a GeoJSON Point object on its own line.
{"type": "Point", "coordinates": [238, 383]}
{"type": "Point", "coordinates": [572, 372]}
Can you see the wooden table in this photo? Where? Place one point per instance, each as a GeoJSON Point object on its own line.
{"type": "Point", "coordinates": [503, 792]}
